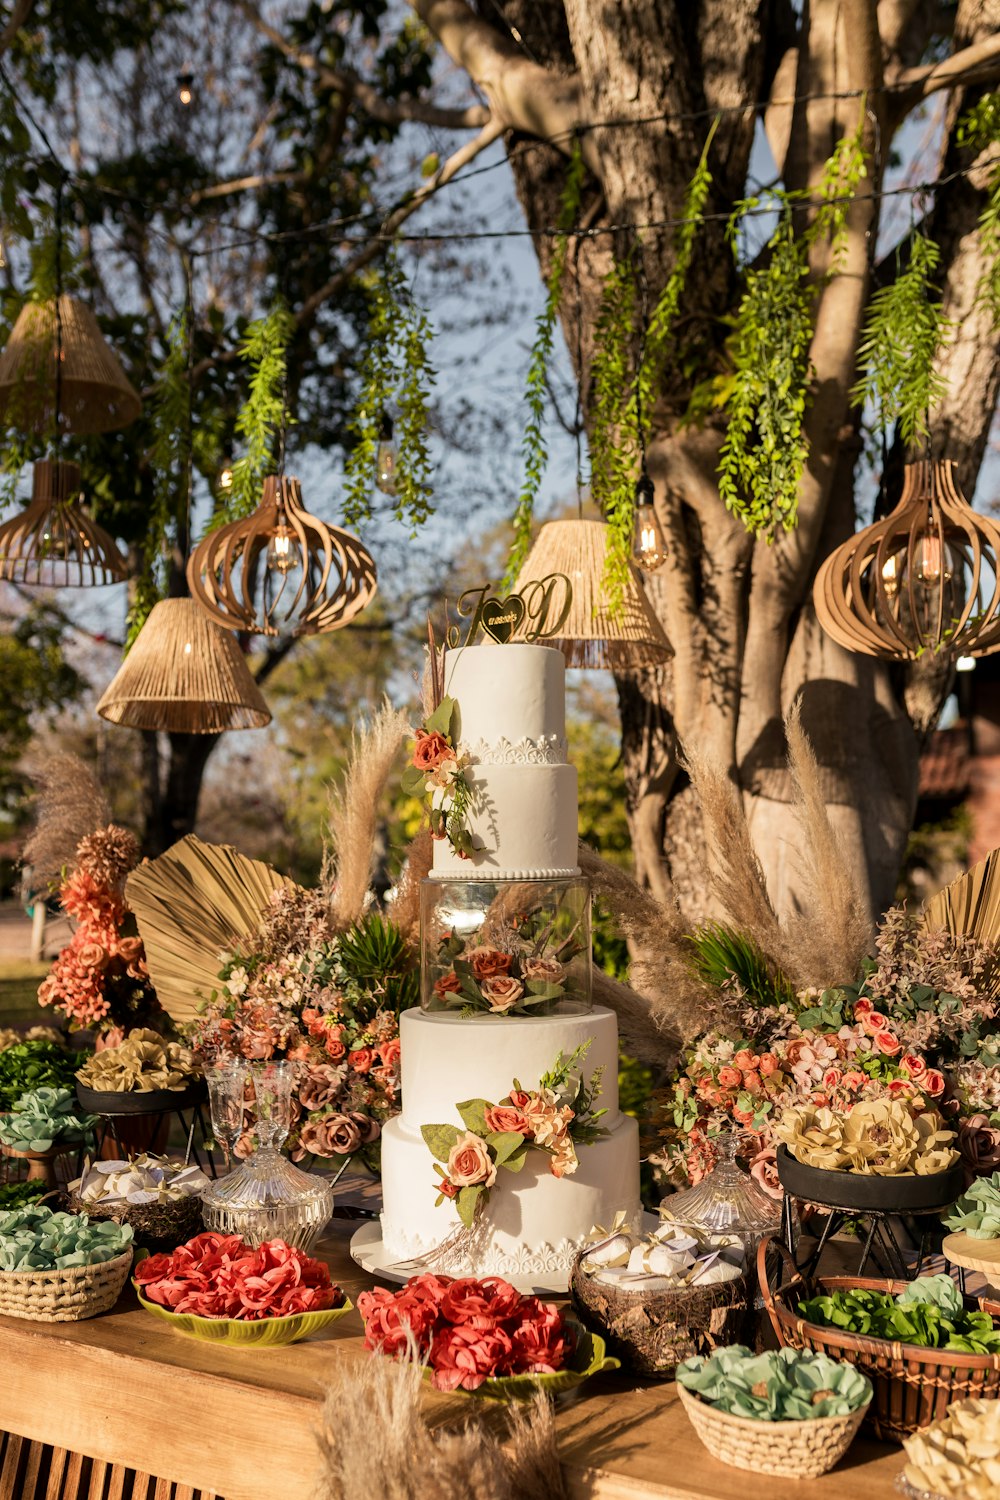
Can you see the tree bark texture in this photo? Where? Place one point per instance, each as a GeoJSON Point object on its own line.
{"type": "Point", "coordinates": [738, 612]}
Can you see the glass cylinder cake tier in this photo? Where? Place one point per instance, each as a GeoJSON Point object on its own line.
{"type": "Point", "coordinates": [510, 1148]}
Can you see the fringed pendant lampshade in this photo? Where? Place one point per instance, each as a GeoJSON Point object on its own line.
{"type": "Point", "coordinates": [925, 578]}
{"type": "Point", "coordinates": [590, 636]}
{"type": "Point", "coordinates": [95, 394]}
{"type": "Point", "coordinates": [281, 571]}
{"type": "Point", "coordinates": [185, 676]}
{"type": "Point", "coordinates": [53, 542]}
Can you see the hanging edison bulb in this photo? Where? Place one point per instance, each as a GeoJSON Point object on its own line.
{"type": "Point", "coordinates": [387, 458]}
{"type": "Point", "coordinates": [185, 87]}
{"type": "Point", "coordinates": [924, 578]}
{"type": "Point", "coordinates": [649, 547]}
{"type": "Point", "coordinates": [281, 571]}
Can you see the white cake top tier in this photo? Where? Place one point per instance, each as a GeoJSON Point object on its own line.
{"type": "Point", "coordinates": [509, 694]}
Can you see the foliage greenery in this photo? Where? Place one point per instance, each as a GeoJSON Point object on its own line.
{"type": "Point", "coordinates": [978, 130]}
{"type": "Point", "coordinates": [721, 955]}
{"type": "Point", "coordinates": [264, 350]}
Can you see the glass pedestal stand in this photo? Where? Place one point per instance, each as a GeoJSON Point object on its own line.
{"type": "Point", "coordinates": [267, 1198]}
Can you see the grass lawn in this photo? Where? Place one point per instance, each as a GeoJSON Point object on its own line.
{"type": "Point", "coordinates": [19, 981]}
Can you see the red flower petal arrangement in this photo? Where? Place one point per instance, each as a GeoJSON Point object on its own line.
{"type": "Point", "coordinates": [481, 1335]}
{"type": "Point", "coordinates": [218, 1287]}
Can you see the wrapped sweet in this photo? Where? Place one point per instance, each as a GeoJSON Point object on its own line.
{"type": "Point", "coordinates": [143, 1180]}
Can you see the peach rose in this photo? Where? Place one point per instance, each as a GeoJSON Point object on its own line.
{"type": "Point", "coordinates": [361, 1059]}
{"type": "Point", "coordinates": [854, 1079]}
{"type": "Point", "coordinates": [549, 969]}
{"type": "Point", "coordinates": [502, 1118]}
{"type": "Point", "coordinates": [769, 1064]}
{"type": "Point", "coordinates": [730, 1078]}
{"type": "Point", "coordinates": [430, 750]}
{"type": "Point", "coordinates": [887, 1043]}
{"type": "Point", "coordinates": [130, 949]}
{"type": "Point", "coordinates": [874, 1022]}
{"type": "Point", "coordinates": [448, 984]}
{"type": "Point", "coordinates": [832, 1078]}
{"type": "Point", "coordinates": [487, 962]}
{"type": "Point", "coordinates": [502, 992]}
{"type": "Point", "coordinates": [389, 1052]}
{"type": "Point", "coordinates": [912, 1065]}
{"type": "Point", "coordinates": [93, 956]}
{"type": "Point", "coordinates": [764, 1171]}
{"type": "Point", "coordinates": [746, 1061]}
{"type": "Point", "coordinates": [932, 1082]}
{"type": "Point", "coordinates": [751, 1081]}
{"type": "Point", "coordinates": [470, 1163]}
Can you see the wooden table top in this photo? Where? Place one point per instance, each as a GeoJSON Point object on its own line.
{"type": "Point", "coordinates": [124, 1387]}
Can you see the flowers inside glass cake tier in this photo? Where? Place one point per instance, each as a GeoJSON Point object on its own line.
{"type": "Point", "coordinates": [507, 948]}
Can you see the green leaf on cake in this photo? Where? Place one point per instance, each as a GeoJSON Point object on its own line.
{"type": "Point", "coordinates": [467, 1202]}
{"type": "Point", "coordinates": [440, 720]}
{"type": "Point", "coordinates": [473, 1112]}
{"type": "Point", "coordinates": [439, 1139]}
{"type": "Point", "coordinates": [505, 1144]}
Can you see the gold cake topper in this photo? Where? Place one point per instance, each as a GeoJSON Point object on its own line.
{"type": "Point", "coordinates": [540, 608]}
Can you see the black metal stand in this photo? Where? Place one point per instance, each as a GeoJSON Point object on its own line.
{"type": "Point", "coordinates": [880, 1243]}
{"type": "Point", "coordinates": [111, 1126]}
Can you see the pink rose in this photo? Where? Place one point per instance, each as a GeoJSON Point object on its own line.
{"type": "Point", "coordinates": [481, 1304]}
{"type": "Point", "coordinates": [469, 1162]}
{"type": "Point", "coordinates": [745, 1060]}
{"type": "Point", "coordinates": [465, 1356]}
{"type": "Point", "coordinates": [854, 1080]}
{"type": "Point", "coordinates": [93, 956]}
{"type": "Point", "coordinates": [769, 1064]}
{"type": "Point", "coordinates": [874, 1021]}
{"type": "Point", "coordinates": [361, 1059]}
{"type": "Point", "coordinates": [502, 992]}
{"type": "Point", "coordinates": [764, 1171]}
{"type": "Point", "coordinates": [729, 1078]}
{"type": "Point", "coordinates": [932, 1082]}
{"type": "Point", "coordinates": [445, 1188]}
{"type": "Point", "coordinates": [506, 1118]}
{"type": "Point", "coordinates": [430, 750]}
{"type": "Point", "coordinates": [900, 1087]}
{"type": "Point", "coordinates": [832, 1078]}
{"type": "Point", "coordinates": [887, 1043]}
{"type": "Point", "coordinates": [912, 1065]}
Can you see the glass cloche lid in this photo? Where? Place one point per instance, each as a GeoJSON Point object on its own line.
{"type": "Point", "coordinates": [727, 1204]}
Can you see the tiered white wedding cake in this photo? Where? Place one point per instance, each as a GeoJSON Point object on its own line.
{"type": "Point", "coordinates": [506, 965]}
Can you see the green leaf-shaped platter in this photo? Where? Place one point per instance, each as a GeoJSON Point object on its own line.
{"type": "Point", "coordinates": [263, 1333]}
{"type": "Point", "coordinates": [590, 1358]}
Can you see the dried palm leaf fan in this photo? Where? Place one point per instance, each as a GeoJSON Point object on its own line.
{"type": "Point", "coordinates": [281, 571]}
{"type": "Point", "coordinates": [971, 904]}
{"type": "Point", "coordinates": [922, 579]}
{"type": "Point", "coordinates": [96, 394]}
{"type": "Point", "coordinates": [53, 541]}
{"type": "Point", "coordinates": [590, 636]}
{"type": "Point", "coordinates": [185, 676]}
{"type": "Point", "coordinates": [192, 904]}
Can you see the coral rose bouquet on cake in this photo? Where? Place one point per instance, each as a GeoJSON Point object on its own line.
{"type": "Point", "coordinates": [554, 1118]}
{"type": "Point", "coordinates": [330, 1003]}
{"type": "Point", "coordinates": [435, 774]}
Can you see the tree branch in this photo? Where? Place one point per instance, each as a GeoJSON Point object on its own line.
{"type": "Point", "coordinates": [243, 185]}
{"type": "Point", "coordinates": [979, 63]}
{"type": "Point", "coordinates": [346, 81]}
{"type": "Point", "coordinates": [22, 10]}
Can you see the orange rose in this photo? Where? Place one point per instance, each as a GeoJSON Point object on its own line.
{"type": "Point", "coordinates": [486, 962]}
{"type": "Point", "coordinates": [448, 984]}
{"type": "Point", "coordinates": [431, 750]}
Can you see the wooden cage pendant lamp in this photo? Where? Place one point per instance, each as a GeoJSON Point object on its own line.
{"type": "Point", "coordinates": [925, 578]}
{"type": "Point", "coordinates": [281, 571]}
{"type": "Point", "coordinates": [184, 675]}
{"type": "Point", "coordinates": [53, 542]}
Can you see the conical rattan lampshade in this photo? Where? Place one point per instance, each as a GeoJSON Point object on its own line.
{"type": "Point", "coordinates": [184, 675]}
{"type": "Point", "coordinates": [53, 542]}
{"type": "Point", "coordinates": [95, 395]}
{"type": "Point", "coordinates": [589, 637]}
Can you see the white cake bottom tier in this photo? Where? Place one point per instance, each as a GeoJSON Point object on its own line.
{"type": "Point", "coordinates": [524, 818]}
{"type": "Point", "coordinates": [533, 1223]}
{"type": "Point", "coordinates": [446, 1059]}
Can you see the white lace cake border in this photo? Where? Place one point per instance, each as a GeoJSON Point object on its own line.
{"type": "Point", "coordinates": [547, 750]}
{"type": "Point", "coordinates": [471, 872]}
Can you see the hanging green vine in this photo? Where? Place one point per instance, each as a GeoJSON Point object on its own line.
{"type": "Point", "coordinates": [170, 421]}
{"type": "Point", "coordinates": [265, 350]}
{"type": "Point", "coordinates": [978, 130]}
{"type": "Point", "coordinates": [767, 393]}
{"type": "Point", "coordinates": [396, 374]}
{"type": "Point", "coordinates": [533, 448]}
{"type": "Point", "coordinates": [899, 345]}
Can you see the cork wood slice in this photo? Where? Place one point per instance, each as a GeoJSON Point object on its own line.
{"type": "Point", "coordinates": [974, 1255]}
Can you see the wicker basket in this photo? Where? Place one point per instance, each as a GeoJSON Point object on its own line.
{"type": "Point", "coordinates": [912, 1386]}
{"type": "Point", "coordinates": [158, 1226]}
{"type": "Point", "coordinates": [804, 1449]}
{"type": "Point", "coordinates": [653, 1332]}
{"type": "Point", "coordinates": [65, 1295]}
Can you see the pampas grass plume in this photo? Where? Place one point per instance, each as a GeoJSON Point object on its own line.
{"type": "Point", "coordinates": [352, 818]}
{"type": "Point", "coordinates": [71, 806]}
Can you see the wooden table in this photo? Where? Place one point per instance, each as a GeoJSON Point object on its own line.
{"type": "Point", "coordinates": [120, 1393]}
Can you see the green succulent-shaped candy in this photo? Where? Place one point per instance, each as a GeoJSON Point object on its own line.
{"type": "Point", "coordinates": [783, 1385]}
{"type": "Point", "coordinates": [42, 1118]}
{"type": "Point", "coordinates": [35, 1238]}
{"type": "Point", "coordinates": [977, 1212]}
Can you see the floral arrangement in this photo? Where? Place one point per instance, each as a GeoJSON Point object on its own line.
{"type": "Point", "coordinates": [329, 1002]}
{"type": "Point", "coordinates": [958, 1457]}
{"type": "Point", "coordinates": [436, 773]}
{"type": "Point", "coordinates": [218, 1276]}
{"type": "Point", "coordinates": [497, 1137]}
{"type": "Point", "coordinates": [43, 1119]}
{"type": "Point", "coordinates": [929, 1314]}
{"type": "Point", "coordinates": [34, 1238]}
{"type": "Point", "coordinates": [100, 978]}
{"type": "Point", "coordinates": [977, 1212]}
{"type": "Point", "coordinates": [144, 1061]}
{"type": "Point", "coordinates": [780, 1385]}
{"type": "Point", "coordinates": [467, 1331]}
{"type": "Point", "coordinates": [877, 1137]}
{"type": "Point", "coordinates": [34, 1064]}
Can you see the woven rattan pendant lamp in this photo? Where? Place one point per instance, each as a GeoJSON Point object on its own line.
{"type": "Point", "coordinates": [185, 676]}
{"type": "Point", "coordinates": [281, 571]}
{"type": "Point", "coordinates": [95, 393]}
{"type": "Point", "coordinates": [922, 579]}
{"type": "Point", "coordinates": [590, 636]}
{"type": "Point", "coordinates": [53, 542]}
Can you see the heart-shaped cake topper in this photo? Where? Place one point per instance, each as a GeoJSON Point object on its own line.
{"type": "Point", "coordinates": [501, 617]}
